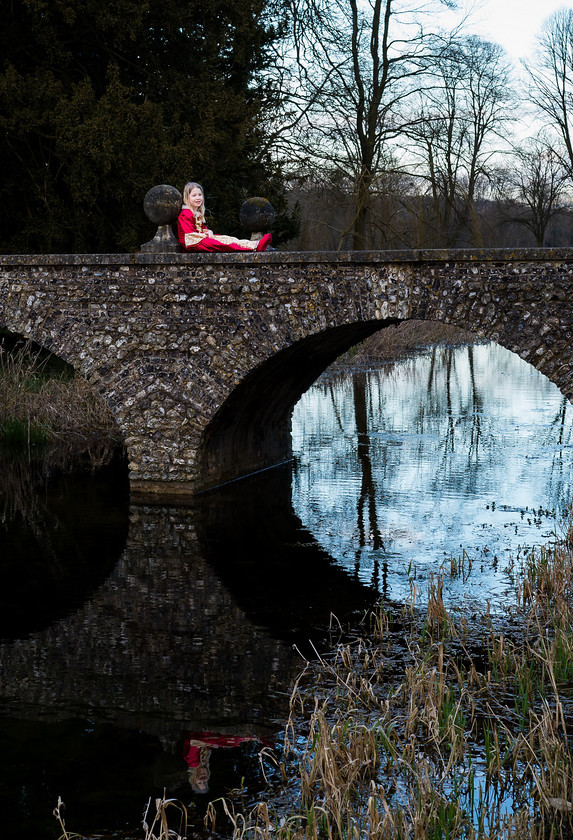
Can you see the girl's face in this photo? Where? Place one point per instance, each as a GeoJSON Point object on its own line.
{"type": "Point", "coordinates": [195, 198]}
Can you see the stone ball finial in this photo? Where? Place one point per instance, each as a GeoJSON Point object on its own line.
{"type": "Point", "coordinates": [162, 205]}
{"type": "Point", "coordinates": [257, 215]}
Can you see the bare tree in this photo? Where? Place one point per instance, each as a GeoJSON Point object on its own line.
{"type": "Point", "coordinates": [534, 188]}
{"type": "Point", "coordinates": [551, 81]}
{"type": "Point", "coordinates": [462, 117]}
{"type": "Point", "coordinates": [359, 64]}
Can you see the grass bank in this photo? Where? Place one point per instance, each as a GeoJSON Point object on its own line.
{"type": "Point", "coordinates": [408, 337]}
{"type": "Point", "coordinates": [401, 341]}
{"type": "Point", "coordinates": [45, 402]}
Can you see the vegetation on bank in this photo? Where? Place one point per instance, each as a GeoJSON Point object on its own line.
{"type": "Point", "coordinates": [422, 723]}
{"type": "Point", "coordinates": [45, 402]}
{"type": "Point", "coordinates": [401, 341]}
{"type": "Point", "coordinates": [408, 337]}
{"type": "Point", "coordinates": [429, 724]}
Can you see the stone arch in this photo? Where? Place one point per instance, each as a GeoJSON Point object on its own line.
{"type": "Point", "coordinates": [250, 431]}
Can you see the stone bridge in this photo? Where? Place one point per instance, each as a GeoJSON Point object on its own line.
{"type": "Point", "coordinates": [202, 357]}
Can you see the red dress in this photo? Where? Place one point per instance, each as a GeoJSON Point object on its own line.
{"type": "Point", "coordinates": [195, 236]}
{"type": "Point", "coordinates": [196, 742]}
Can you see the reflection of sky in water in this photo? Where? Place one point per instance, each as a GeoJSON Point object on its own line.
{"type": "Point", "coordinates": [467, 449]}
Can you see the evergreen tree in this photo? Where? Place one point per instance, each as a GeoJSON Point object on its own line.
{"type": "Point", "coordinates": [101, 101]}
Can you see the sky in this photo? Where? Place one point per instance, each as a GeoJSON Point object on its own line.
{"type": "Point", "coordinates": [515, 24]}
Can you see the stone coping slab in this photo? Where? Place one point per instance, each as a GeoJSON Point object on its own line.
{"type": "Point", "coordinates": [506, 255]}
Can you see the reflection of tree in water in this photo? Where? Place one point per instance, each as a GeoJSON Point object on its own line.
{"type": "Point", "coordinates": [403, 461]}
{"type": "Point", "coordinates": [445, 398]}
{"type": "Point", "coordinates": [450, 431]}
{"type": "Point", "coordinates": [367, 497]}
{"type": "Point", "coordinates": [560, 432]}
{"type": "Point", "coordinates": [477, 406]}
{"type": "Point", "coordinates": [441, 384]}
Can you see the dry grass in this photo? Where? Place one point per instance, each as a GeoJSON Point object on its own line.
{"type": "Point", "coordinates": [39, 406]}
{"type": "Point", "coordinates": [420, 729]}
{"type": "Point", "coordinates": [159, 828]}
{"type": "Point", "coordinates": [408, 337]}
{"type": "Point", "coordinates": [50, 421]}
{"type": "Point", "coordinates": [155, 824]}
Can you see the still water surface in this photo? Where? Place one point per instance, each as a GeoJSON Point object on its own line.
{"type": "Point", "coordinates": [129, 632]}
{"type": "Point", "coordinates": [456, 453]}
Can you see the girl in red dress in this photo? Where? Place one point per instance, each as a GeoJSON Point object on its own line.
{"type": "Point", "coordinates": [194, 234]}
{"type": "Point", "coordinates": [197, 749]}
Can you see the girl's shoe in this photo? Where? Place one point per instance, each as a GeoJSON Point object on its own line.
{"type": "Point", "coordinates": [264, 242]}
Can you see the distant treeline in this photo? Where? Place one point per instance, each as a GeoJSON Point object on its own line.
{"type": "Point", "coordinates": [409, 221]}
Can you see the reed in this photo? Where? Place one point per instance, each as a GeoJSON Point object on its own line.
{"type": "Point", "coordinates": [412, 733]}
{"type": "Point", "coordinates": [40, 404]}
{"type": "Point", "coordinates": [158, 828]}
{"type": "Point", "coordinates": [157, 824]}
{"type": "Point", "coordinates": [59, 815]}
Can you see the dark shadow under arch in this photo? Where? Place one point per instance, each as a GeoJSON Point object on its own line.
{"type": "Point", "coordinates": [63, 497]}
{"type": "Point", "coordinates": [277, 572]}
{"type": "Point", "coordinates": [62, 535]}
{"type": "Point", "coordinates": [251, 430]}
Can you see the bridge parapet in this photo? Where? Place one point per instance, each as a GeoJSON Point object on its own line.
{"type": "Point", "coordinates": [202, 356]}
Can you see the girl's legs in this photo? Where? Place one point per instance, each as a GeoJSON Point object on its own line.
{"type": "Point", "coordinates": [245, 244]}
{"type": "Point", "coordinates": [264, 242]}
{"type": "Point", "coordinates": [229, 243]}
{"type": "Point", "coordinates": [212, 244]}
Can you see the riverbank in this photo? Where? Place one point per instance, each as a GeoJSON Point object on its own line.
{"type": "Point", "coordinates": [420, 723]}
{"type": "Point", "coordinates": [400, 341]}
{"type": "Point", "coordinates": [424, 724]}
{"type": "Point", "coordinates": [402, 728]}
{"type": "Point", "coordinates": [44, 403]}
{"type": "Point", "coordinates": [408, 338]}
{"type": "Point", "coordinates": [439, 715]}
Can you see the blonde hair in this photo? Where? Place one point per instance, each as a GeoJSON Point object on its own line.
{"type": "Point", "coordinates": [201, 784]}
{"type": "Point", "coordinates": [189, 187]}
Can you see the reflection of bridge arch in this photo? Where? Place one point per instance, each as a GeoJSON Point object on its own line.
{"type": "Point", "coordinates": [195, 623]}
{"type": "Point", "coordinates": [202, 357]}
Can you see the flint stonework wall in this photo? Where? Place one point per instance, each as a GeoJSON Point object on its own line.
{"type": "Point", "coordinates": [201, 357]}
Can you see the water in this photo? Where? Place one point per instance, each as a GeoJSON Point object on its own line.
{"type": "Point", "coordinates": [456, 453]}
{"type": "Point", "coordinates": [149, 625]}
{"type": "Point", "coordinates": [127, 630]}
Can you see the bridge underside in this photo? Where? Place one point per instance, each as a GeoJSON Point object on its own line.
{"type": "Point", "coordinates": [252, 429]}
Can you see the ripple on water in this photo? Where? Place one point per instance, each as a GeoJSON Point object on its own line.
{"type": "Point", "coordinates": [456, 453]}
